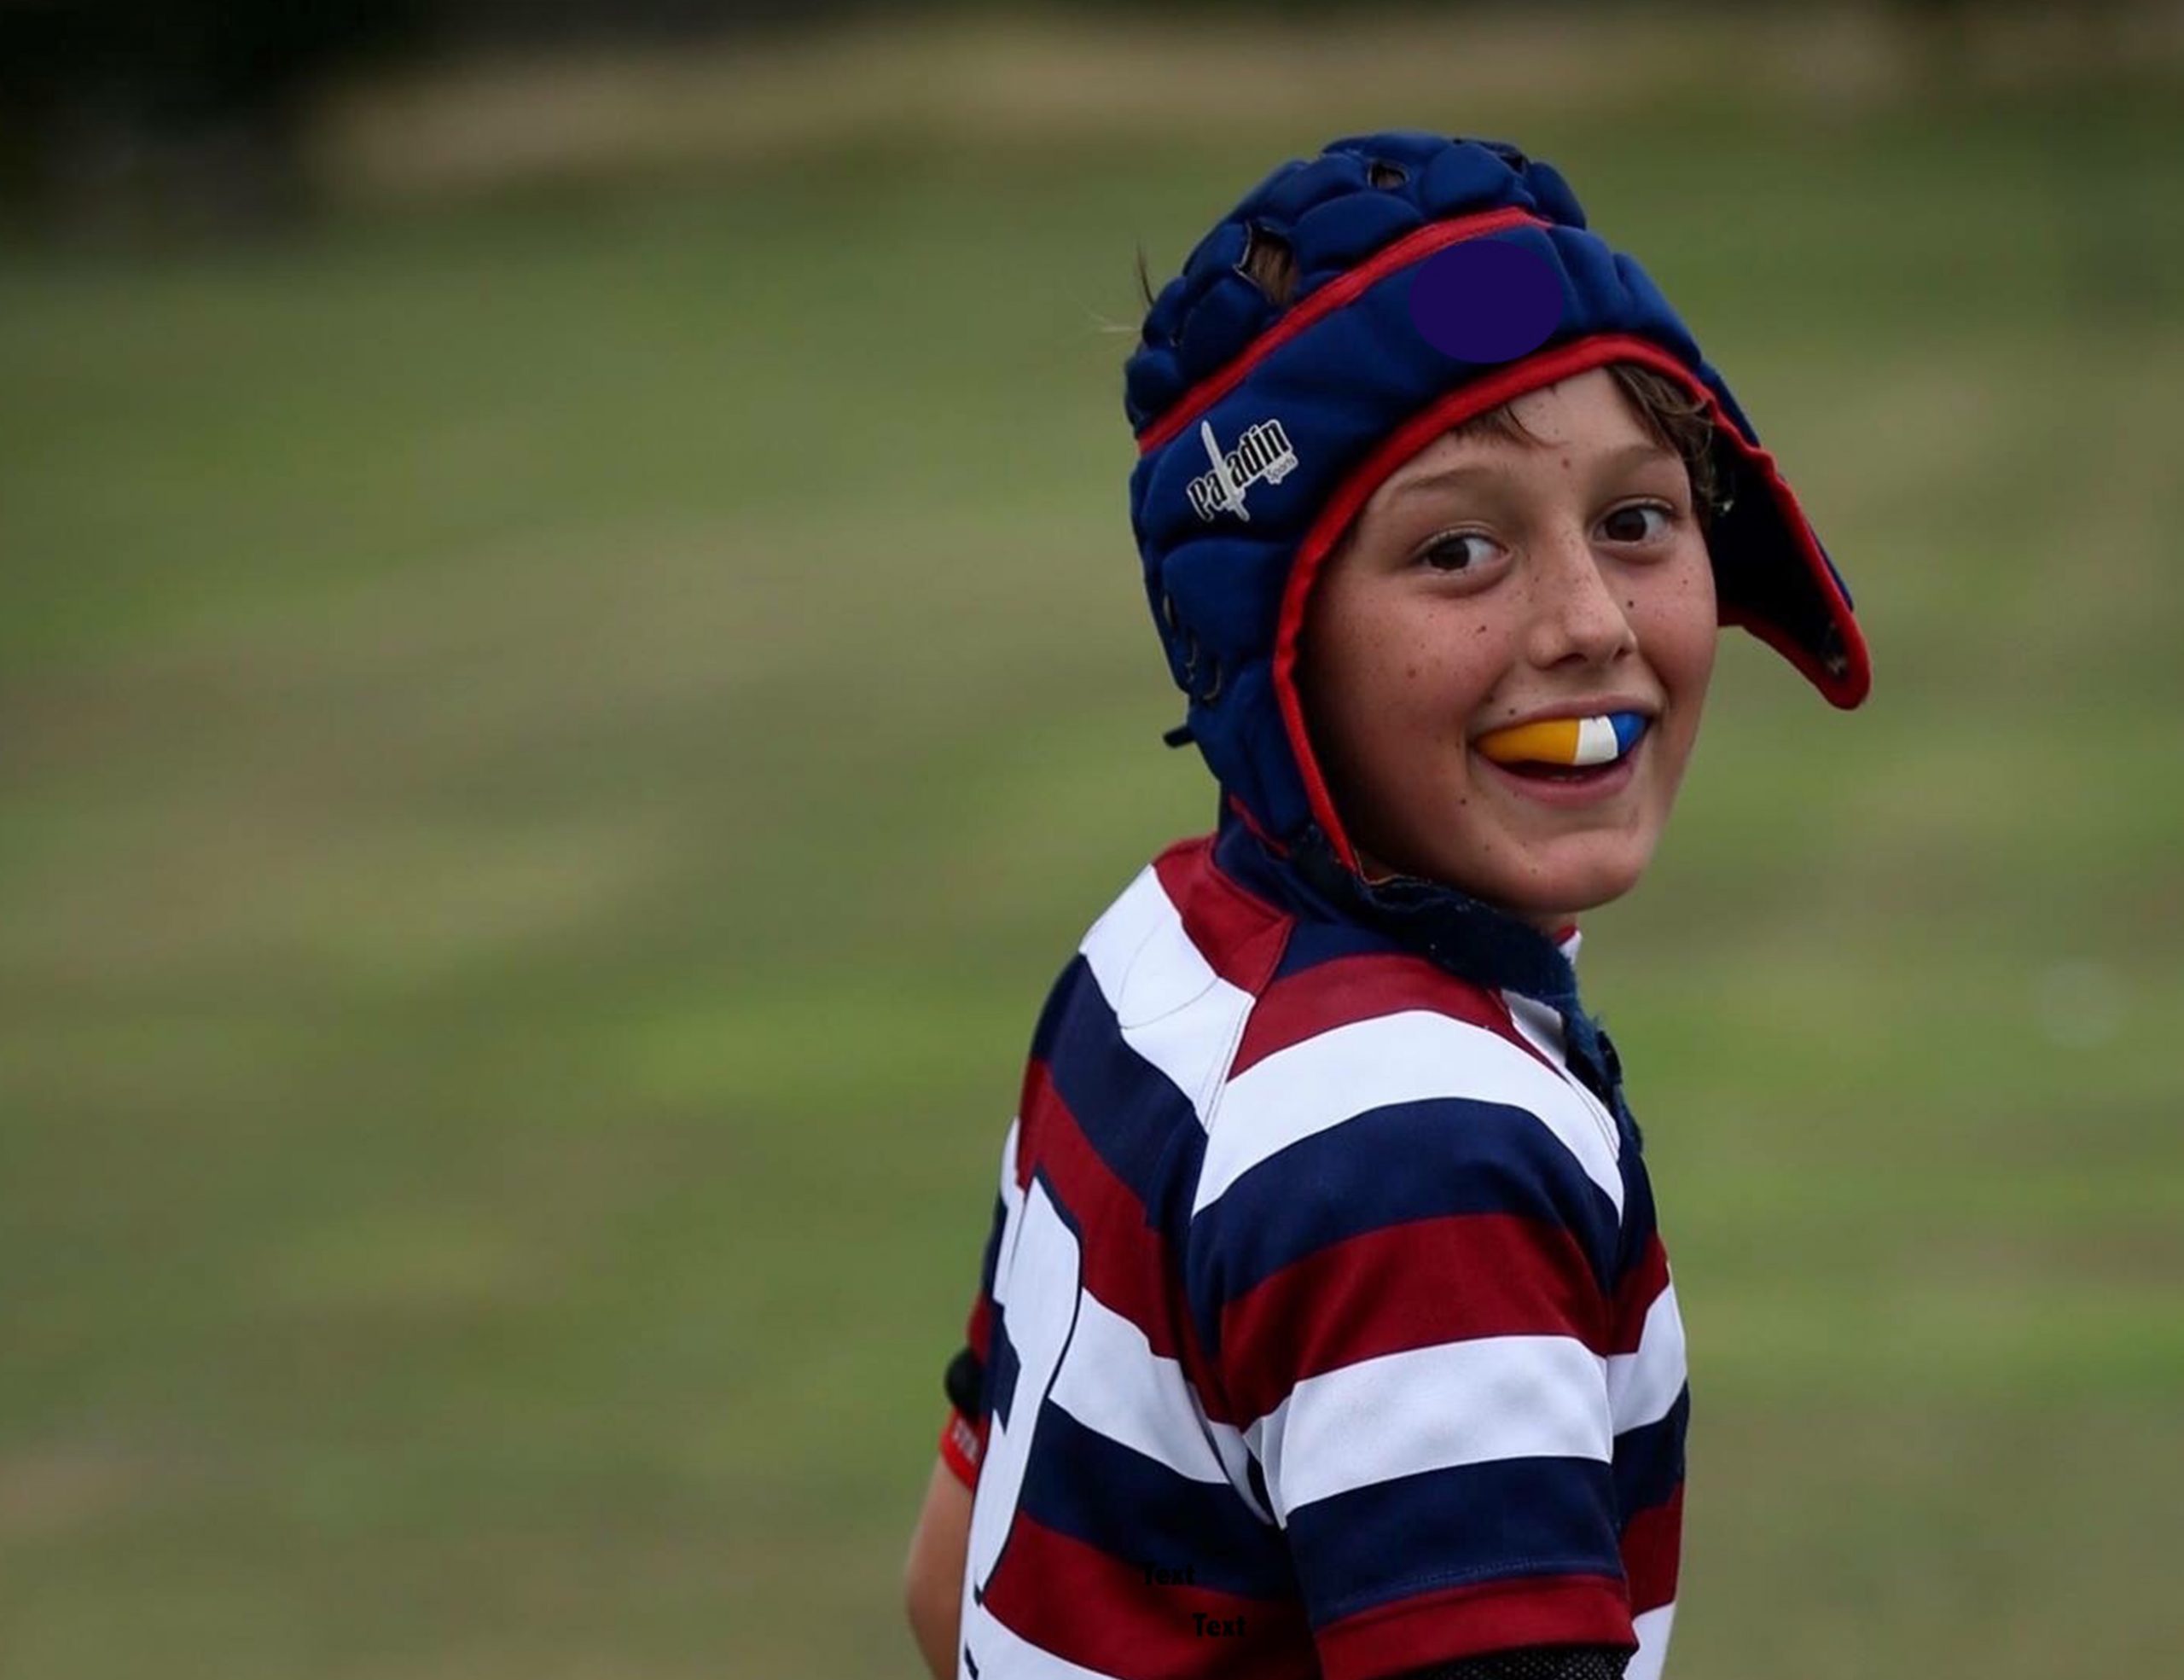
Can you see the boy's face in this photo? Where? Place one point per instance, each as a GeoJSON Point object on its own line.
{"type": "Point", "coordinates": [1570, 580]}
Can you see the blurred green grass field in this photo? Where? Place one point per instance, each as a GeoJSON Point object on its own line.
{"type": "Point", "coordinates": [549, 750]}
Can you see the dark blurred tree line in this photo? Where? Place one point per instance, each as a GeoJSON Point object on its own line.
{"type": "Point", "coordinates": [107, 98]}
{"type": "Point", "coordinates": [114, 102]}
{"type": "Point", "coordinates": [199, 106]}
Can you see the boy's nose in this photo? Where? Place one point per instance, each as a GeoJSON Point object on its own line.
{"type": "Point", "coordinates": [1574, 610]}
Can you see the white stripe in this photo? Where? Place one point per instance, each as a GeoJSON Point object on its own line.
{"type": "Point", "coordinates": [1173, 1008]}
{"type": "Point", "coordinates": [1472, 1401]}
{"type": "Point", "coordinates": [1596, 741]}
{"type": "Point", "coordinates": [1111, 944]}
{"type": "Point", "coordinates": [1541, 1025]}
{"type": "Point", "coordinates": [1011, 1200]}
{"type": "Point", "coordinates": [999, 1651]}
{"type": "Point", "coordinates": [1652, 1644]}
{"type": "Point", "coordinates": [1311, 1087]}
{"type": "Point", "coordinates": [1642, 1386]}
{"type": "Point", "coordinates": [1114, 1383]}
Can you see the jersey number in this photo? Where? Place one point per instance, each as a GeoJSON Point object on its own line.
{"type": "Point", "coordinates": [1035, 1285]}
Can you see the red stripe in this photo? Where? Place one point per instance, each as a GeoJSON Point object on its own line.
{"type": "Point", "coordinates": [978, 1331]}
{"type": "Point", "coordinates": [1635, 1296]}
{"type": "Point", "coordinates": [1457, 1622]}
{"type": "Point", "coordinates": [1529, 373]}
{"type": "Point", "coordinates": [1347, 989]}
{"type": "Point", "coordinates": [1239, 934]}
{"type": "Point", "coordinates": [1329, 298]}
{"type": "Point", "coordinates": [1419, 1284]}
{"type": "Point", "coordinates": [1652, 1544]}
{"type": "Point", "coordinates": [1125, 1258]}
{"type": "Point", "coordinates": [1075, 1600]}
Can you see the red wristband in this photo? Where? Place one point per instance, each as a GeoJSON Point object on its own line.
{"type": "Point", "coordinates": [962, 1443]}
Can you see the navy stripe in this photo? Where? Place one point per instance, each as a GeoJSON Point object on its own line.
{"type": "Point", "coordinates": [1638, 1218]}
{"type": "Point", "coordinates": [1649, 1459]}
{"type": "Point", "coordinates": [1132, 1114]}
{"type": "Point", "coordinates": [1074, 973]}
{"type": "Point", "coordinates": [1316, 942]}
{"type": "Point", "coordinates": [1514, 1517]}
{"type": "Point", "coordinates": [1002, 1370]}
{"type": "Point", "coordinates": [1410, 1160]}
{"type": "Point", "coordinates": [1082, 1484]}
{"type": "Point", "coordinates": [992, 1258]}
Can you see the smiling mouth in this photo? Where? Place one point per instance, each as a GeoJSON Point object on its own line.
{"type": "Point", "coordinates": [1565, 749]}
{"type": "Point", "coordinates": [1571, 785]}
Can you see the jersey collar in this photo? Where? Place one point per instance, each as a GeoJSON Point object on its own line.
{"type": "Point", "coordinates": [1465, 935]}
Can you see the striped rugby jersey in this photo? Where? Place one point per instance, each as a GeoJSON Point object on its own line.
{"type": "Point", "coordinates": [1324, 1323]}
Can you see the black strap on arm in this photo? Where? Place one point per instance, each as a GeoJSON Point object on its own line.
{"type": "Point", "coordinates": [965, 1378]}
{"type": "Point", "coordinates": [1534, 1662]}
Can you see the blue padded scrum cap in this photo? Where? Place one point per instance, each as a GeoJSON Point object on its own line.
{"type": "Point", "coordinates": [1261, 429]}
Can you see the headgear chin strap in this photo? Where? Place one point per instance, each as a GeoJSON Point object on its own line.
{"type": "Point", "coordinates": [1436, 278]}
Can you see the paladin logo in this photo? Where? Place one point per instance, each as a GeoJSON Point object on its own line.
{"type": "Point", "coordinates": [1262, 453]}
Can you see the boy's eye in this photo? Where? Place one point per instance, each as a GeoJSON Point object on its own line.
{"type": "Point", "coordinates": [1635, 511]}
{"type": "Point", "coordinates": [1451, 556]}
{"type": "Point", "coordinates": [1447, 554]}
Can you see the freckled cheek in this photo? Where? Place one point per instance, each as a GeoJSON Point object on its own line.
{"type": "Point", "coordinates": [1428, 682]}
{"type": "Point", "coordinates": [1405, 679]}
{"type": "Point", "coordinates": [1677, 628]}
{"type": "Point", "coordinates": [1678, 641]}
{"type": "Point", "coordinates": [1384, 655]}
{"type": "Point", "coordinates": [1682, 660]}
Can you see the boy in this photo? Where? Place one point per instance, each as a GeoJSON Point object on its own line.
{"type": "Point", "coordinates": [1324, 1326]}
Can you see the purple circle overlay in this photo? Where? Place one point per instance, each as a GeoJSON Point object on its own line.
{"type": "Point", "coordinates": [1486, 300]}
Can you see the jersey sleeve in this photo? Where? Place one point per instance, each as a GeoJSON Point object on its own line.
{"type": "Point", "coordinates": [1408, 1299]}
{"type": "Point", "coordinates": [963, 1435]}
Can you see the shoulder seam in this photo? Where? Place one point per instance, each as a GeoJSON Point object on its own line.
{"type": "Point", "coordinates": [1277, 926]}
{"type": "Point", "coordinates": [1283, 927]}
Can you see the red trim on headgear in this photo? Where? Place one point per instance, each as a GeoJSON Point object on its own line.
{"type": "Point", "coordinates": [1345, 288]}
{"type": "Point", "coordinates": [1844, 689]}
